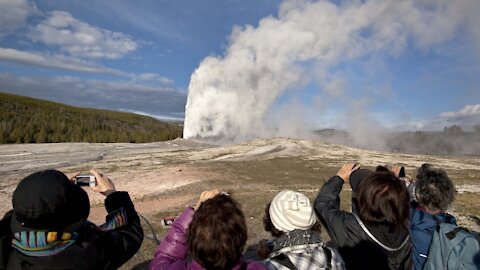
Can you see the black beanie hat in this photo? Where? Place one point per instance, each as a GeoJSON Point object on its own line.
{"type": "Point", "coordinates": [47, 200]}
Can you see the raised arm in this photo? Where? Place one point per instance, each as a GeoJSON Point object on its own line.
{"type": "Point", "coordinates": [123, 233]}
{"type": "Point", "coordinates": [327, 204]}
{"type": "Point", "coordinates": [174, 248]}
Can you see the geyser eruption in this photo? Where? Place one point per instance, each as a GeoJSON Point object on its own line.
{"type": "Point", "coordinates": [230, 96]}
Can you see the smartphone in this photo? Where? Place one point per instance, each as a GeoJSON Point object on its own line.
{"type": "Point", "coordinates": [402, 172]}
{"type": "Point", "coordinates": [85, 180]}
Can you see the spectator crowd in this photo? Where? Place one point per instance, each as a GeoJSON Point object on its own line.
{"type": "Point", "coordinates": [396, 221]}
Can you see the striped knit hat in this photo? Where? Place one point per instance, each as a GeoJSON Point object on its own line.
{"type": "Point", "coordinates": [291, 210]}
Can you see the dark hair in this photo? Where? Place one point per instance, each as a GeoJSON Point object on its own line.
{"type": "Point", "coordinates": [269, 227]}
{"type": "Point", "coordinates": [218, 233]}
{"type": "Point", "coordinates": [383, 198]}
{"type": "Point", "coordinates": [381, 168]}
{"type": "Point", "coordinates": [267, 223]}
{"type": "Point", "coordinates": [433, 189]}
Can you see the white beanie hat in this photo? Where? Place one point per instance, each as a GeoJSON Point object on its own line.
{"type": "Point", "coordinates": [291, 210]}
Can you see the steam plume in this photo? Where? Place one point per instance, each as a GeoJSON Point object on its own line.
{"type": "Point", "coordinates": [231, 97]}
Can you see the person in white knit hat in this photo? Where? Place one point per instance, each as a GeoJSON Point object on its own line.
{"type": "Point", "coordinates": [298, 245]}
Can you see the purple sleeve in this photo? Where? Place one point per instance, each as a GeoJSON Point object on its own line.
{"type": "Point", "coordinates": [173, 248]}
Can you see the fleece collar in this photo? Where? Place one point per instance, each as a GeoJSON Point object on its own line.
{"type": "Point", "coordinates": [42, 243]}
{"type": "Point", "coordinates": [48, 243]}
{"type": "Point", "coordinates": [296, 238]}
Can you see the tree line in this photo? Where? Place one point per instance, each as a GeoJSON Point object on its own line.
{"type": "Point", "coordinates": [452, 140]}
{"type": "Point", "coordinates": [29, 120]}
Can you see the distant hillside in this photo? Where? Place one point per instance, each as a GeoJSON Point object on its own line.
{"type": "Point", "coordinates": [29, 120]}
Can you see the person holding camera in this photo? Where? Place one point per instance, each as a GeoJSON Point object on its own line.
{"type": "Point", "coordinates": [48, 227]}
{"type": "Point", "coordinates": [375, 234]}
{"type": "Point", "coordinates": [290, 218]}
{"type": "Point", "coordinates": [214, 233]}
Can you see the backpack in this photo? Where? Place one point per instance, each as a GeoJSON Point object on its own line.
{"type": "Point", "coordinates": [453, 247]}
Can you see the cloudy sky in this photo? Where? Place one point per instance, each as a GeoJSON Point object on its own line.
{"type": "Point", "coordinates": [123, 55]}
{"type": "Point", "coordinates": [139, 56]}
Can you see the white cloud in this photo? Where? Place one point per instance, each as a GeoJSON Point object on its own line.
{"type": "Point", "coordinates": [153, 77]}
{"type": "Point", "coordinates": [81, 39]}
{"type": "Point", "coordinates": [467, 116]}
{"type": "Point", "coordinates": [74, 64]}
{"type": "Point", "coordinates": [126, 96]}
{"type": "Point", "coordinates": [467, 111]}
{"type": "Point", "coordinates": [14, 14]}
{"type": "Point", "coordinates": [53, 61]}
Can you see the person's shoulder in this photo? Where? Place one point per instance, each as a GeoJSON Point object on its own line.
{"type": "Point", "coordinates": [5, 229]}
{"type": "Point", "coordinates": [5, 223]}
{"type": "Point", "coordinates": [90, 235]}
{"type": "Point", "coordinates": [449, 218]}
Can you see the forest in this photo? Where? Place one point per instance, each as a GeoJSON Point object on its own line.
{"type": "Point", "coordinates": [29, 120]}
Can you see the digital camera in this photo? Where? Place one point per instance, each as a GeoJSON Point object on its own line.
{"type": "Point", "coordinates": [85, 180]}
{"type": "Point", "coordinates": [167, 221]}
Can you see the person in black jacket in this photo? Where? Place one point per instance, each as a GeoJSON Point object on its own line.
{"type": "Point", "coordinates": [48, 227]}
{"type": "Point", "coordinates": [375, 235]}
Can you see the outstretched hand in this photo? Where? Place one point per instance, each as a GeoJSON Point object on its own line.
{"type": "Point", "coordinates": [205, 196]}
{"type": "Point", "coordinates": [346, 170]}
{"type": "Point", "coordinates": [396, 170]}
{"type": "Point", "coordinates": [104, 184]}
{"type": "Point", "coordinates": [71, 176]}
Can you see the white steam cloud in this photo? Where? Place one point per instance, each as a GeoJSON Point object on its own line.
{"type": "Point", "coordinates": [231, 96]}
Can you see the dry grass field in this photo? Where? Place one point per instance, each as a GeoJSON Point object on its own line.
{"type": "Point", "coordinates": [164, 178]}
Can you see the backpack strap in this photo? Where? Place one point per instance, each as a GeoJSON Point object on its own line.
{"type": "Point", "coordinates": [452, 234]}
{"type": "Point", "coordinates": [364, 228]}
{"type": "Point", "coordinates": [285, 261]}
{"type": "Point", "coordinates": [439, 221]}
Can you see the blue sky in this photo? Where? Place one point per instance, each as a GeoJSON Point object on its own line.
{"type": "Point", "coordinates": [146, 50]}
{"type": "Point", "coordinates": [139, 56]}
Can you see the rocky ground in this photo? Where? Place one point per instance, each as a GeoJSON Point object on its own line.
{"type": "Point", "coordinates": [164, 177]}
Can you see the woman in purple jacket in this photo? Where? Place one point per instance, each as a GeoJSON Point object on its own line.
{"type": "Point", "coordinates": [214, 232]}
